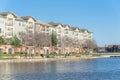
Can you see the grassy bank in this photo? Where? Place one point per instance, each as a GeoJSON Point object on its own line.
{"type": "Point", "coordinates": [46, 57]}
{"type": "Point", "coordinates": [52, 55]}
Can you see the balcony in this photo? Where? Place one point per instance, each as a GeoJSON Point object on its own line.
{"type": "Point", "coordinates": [66, 32]}
{"type": "Point", "coordinates": [47, 29]}
{"type": "Point", "coordinates": [9, 22]}
{"type": "Point", "coordinates": [76, 34]}
{"type": "Point", "coordinates": [30, 27]}
{"type": "Point", "coordinates": [43, 29]}
{"type": "Point", "coordinates": [9, 30]}
{"type": "Point", "coordinates": [30, 31]}
{"type": "Point", "coordinates": [9, 34]}
{"type": "Point", "coordinates": [59, 31]}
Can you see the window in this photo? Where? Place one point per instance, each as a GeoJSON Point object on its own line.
{"type": "Point", "coordinates": [38, 25]}
{"type": "Point", "coordinates": [43, 28]}
{"type": "Point", "coordinates": [21, 33]}
{"type": "Point", "coordinates": [20, 23]}
{"type": "Point", "coordinates": [89, 37]}
{"type": "Point", "coordinates": [23, 24]}
{"type": "Point", "coordinates": [30, 31]}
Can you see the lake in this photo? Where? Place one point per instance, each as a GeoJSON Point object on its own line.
{"type": "Point", "coordinates": [94, 69]}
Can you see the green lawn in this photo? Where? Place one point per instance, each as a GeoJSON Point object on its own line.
{"type": "Point", "coordinates": [9, 55]}
{"type": "Point", "coordinates": [7, 58]}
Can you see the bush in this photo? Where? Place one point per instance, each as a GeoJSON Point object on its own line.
{"type": "Point", "coordinates": [53, 53]}
{"type": "Point", "coordinates": [4, 53]}
{"type": "Point", "coordinates": [42, 55]}
{"type": "Point", "coordinates": [47, 56]}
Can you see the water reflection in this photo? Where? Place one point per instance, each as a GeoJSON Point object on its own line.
{"type": "Point", "coordinates": [99, 69]}
{"type": "Point", "coordinates": [45, 67]}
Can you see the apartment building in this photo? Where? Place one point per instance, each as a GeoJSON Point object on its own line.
{"type": "Point", "coordinates": [69, 38]}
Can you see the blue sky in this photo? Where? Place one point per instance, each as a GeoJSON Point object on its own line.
{"type": "Point", "coordinates": [102, 17]}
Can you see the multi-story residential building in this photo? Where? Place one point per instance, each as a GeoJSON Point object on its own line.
{"type": "Point", "coordinates": [69, 38]}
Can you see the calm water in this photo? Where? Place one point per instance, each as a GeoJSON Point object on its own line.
{"type": "Point", "coordinates": [96, 69]}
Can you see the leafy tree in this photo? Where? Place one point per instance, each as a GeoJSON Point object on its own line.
{"type": "Point", "coordinates": [54, 39]}
{"type": "Point", "coordinates": [15, 41]}
{"type": "Point", "coordinates": [2, 40]}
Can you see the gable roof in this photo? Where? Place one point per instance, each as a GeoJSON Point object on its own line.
{"type": "Point", "coordinates": [63, 25]}
{"type": "Point", "coordinates": [27, 17]}
{"type": "Point", "coordinates": [6, 13]}
{"type": "Point", "coordinates": [74, 28]}
{"type": "Point", "coordinates": [43, 23]}
{"type": "Point", "coordinates": [54, 24]}
{"type": "Point", "coordinates": [83, 30]}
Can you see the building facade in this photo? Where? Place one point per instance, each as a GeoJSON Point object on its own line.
{"type": "Point", "coordinates": [70, 39]}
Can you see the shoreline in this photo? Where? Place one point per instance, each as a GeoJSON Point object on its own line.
{"type": "Point", "coordinates": [50, 59]}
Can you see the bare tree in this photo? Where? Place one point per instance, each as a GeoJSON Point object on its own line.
{"type": "Point", "coordinates": [67, 41]}
{"type": "Point", "coordinates": [89, 45]}
{"type": "Point", "coordinates": [43, 39]}
{"type": "Point", "coordinates": [38, 40]}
